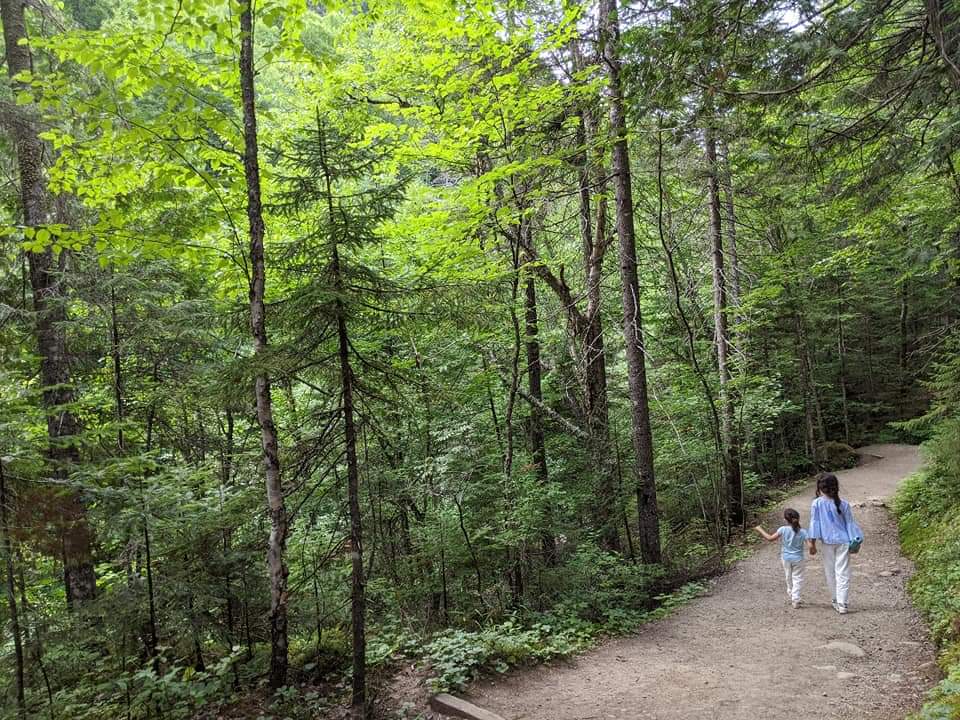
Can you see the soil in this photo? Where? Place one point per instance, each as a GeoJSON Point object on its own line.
{"type": "Point", "coordinates": [742, 652]}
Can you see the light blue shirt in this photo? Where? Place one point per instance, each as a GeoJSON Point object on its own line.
{"type": "Point", "coordinates": [829, 526]}
{"type": "Point", "coordinates": [791, 543]}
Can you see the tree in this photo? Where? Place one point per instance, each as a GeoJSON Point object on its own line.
{"type": "Point", "coordinates": [729, 431]}
{"type": "Point", "coordinates": [47, 270]}
{"type": "Point", "coordinates": [642, 436]}
{"type": "Point", "coordinates": [339, 195]}
{"type": "Point", "coordinates": [276, 560]}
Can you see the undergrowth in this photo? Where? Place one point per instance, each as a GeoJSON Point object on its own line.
{"type": "Point", "coordinates": [457, 657]}
{"type": "Point", "coordinates": [928, 512]}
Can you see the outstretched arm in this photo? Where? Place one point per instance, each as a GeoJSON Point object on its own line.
{"type": "Point", "coordinates": [766, 535]}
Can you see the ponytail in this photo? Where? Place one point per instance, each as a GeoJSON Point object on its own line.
{"type": "Point", "coordinates": [792, 517]}
{"type": "Point", "coordinates": [827, 484]}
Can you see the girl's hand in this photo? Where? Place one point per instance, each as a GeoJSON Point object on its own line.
{"type": "Point", "coordinates": [764, 534]}
{"type": "Point", "coordinates": [813, 550]}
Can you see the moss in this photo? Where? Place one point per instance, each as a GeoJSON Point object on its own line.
{"type": "Point", "coordinates": [836, 456]}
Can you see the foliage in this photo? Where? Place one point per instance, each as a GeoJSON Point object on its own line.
{"type": "Point", "coordinates": [456, 657]}
{"type": "Point", "coordinates": [927, 510]}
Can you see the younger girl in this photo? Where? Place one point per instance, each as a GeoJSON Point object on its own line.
{"type": "Point", "coordinates": [832, 523]}
{"type": "Point", "coordinates": [791, 537]}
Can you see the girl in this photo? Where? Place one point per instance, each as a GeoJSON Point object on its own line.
{"type": "Point", "coordinates": [832, 523]}
{"type": "Point", "coordinates": [791, 537]}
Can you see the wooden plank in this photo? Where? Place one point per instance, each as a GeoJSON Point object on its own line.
{"type": "Point", "coordinates": [455, 707]}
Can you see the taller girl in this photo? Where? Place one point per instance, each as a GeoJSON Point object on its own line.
{"type": "Point", "coordinates": [832, 523]}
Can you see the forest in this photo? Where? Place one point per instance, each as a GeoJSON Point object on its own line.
{"type": "Point", "coordinates": [343, 342]}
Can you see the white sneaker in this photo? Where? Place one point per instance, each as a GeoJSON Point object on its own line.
{"type": "Point", "coordinates": [842, 608]}
{"type": "Point", "coordinates": [796, 604]}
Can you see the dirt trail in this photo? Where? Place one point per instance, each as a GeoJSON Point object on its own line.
{"type": "Point", "coordinates": [741, 652]}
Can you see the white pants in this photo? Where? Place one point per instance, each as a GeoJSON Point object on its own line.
{"type": "Point", "coordinates": [793, 572]}
{"type": "Point", "coordinates": [836, 566]}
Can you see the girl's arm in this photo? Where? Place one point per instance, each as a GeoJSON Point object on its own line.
{"type": "Point", "coordinates": [853, 530]}
{"type": "Point", "coordinates": [813, 532]}
{"type": "Point", "coordinates": [766, 535]}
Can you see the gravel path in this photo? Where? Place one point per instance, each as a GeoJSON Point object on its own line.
{"type": "Point", "coordinates": [741, 652]}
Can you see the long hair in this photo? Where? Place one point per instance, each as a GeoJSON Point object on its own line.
{"type": "Point", "coordinates": [827, 484]}
{"type": "Point", "coordinates": [792, 517]}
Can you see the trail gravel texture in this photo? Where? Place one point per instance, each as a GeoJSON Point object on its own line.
{"type": "Point", "coordinates": [741, 652]}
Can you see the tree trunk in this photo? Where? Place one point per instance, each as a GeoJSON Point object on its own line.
{"type": "Point", "coordinates": [276, 561]}
{"type": "Point", "coordinates": [117, 367]}
{"type": "Point", "coordinates": [538, 446]}
{"type": "Point", "coordinates": [358, 601]}
{"type": "Point", "coordinates": [944, 26]}
{"type": "Point", "coordinates": [592, 180]}
{"type": "Point", "coordinates": [649, 522]}
{"type": "Point", "coordinates": [902, 385]}
{"type": "Point", "coordinates": [151, 635]}
{"type": "Point", "coordinates": [10, 586]}
{"type": "Point", "coordinates": [664, 218]}
{"type": "Point", "coordinates": [731, 440]}
{"type": "Point", "coordinates": [226, 478]}
{"type": "Point", "coordinates": [358, 609]}
{"type": "Point", "coordinates": [50, 306]}
{"type": "Point", "coordinates": [595, 243]}
{"type": "Point", "coordinates": [842, 357]}
{"type": "Point", "coordinates": [811, 397]}
{"type": "Point", "coordinates": [730, 217]}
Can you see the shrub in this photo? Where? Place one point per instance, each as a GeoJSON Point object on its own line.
{"type": "Point", "coordinates": [458, 656]}
{"type": "Point", "coordinates": [928, 512]}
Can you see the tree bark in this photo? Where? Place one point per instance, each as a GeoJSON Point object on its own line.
{"type": "Point", "coordinates": [642, 436]}
{"type": "Point", "coordinates": [592, 179]}
{"type": "Point", "coordinates": [226, 479]}
{"type": "Point", "coordinates": [11, 593]}
{"type": "Point", "coordinates": [944, 26]}
{"type": "Point", "coordinates": [585, 325]}
{"type": "Point", "coordinates": [587, 331]}
{"type": "Point", "coordinates": [358, 604]}
{"type": "Point", "coordinates": [50, 307]}
{"type": "Point", "coordinates": [811, 396]}
{"type": "Point", "coordinates": [276, 561]}
{"type": "Point", "coordinates": [902, 384]}
{"type": "Point", "coordinates": [730, 217]}
{"type": "Point", "coordinates": [117, 367]}
{"type": "Point", "coordinates": [538, 447]}
{"type": "Point", "coordinates": [150, 634]}
{"type": "Point", "coordinates": [593, 230]}
{"type": "Point", "coordinates": [731, 441]}
{"type": "Point", "coordinates": [842, 358]}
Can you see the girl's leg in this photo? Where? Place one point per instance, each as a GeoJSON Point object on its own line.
{"type": "Point", "coordinates": [828, 554]}
{"type": "Point", "coordinates": [842, 565]}
{"type": "Point", "coordinates": [788, 575]}
{"type": "Point", "coordinates": [797, 581]}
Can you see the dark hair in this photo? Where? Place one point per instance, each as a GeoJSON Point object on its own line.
{"type": "Point", "coordinates": [792, 517]}
{"type": "Point", "coordinates": [827, 484]}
